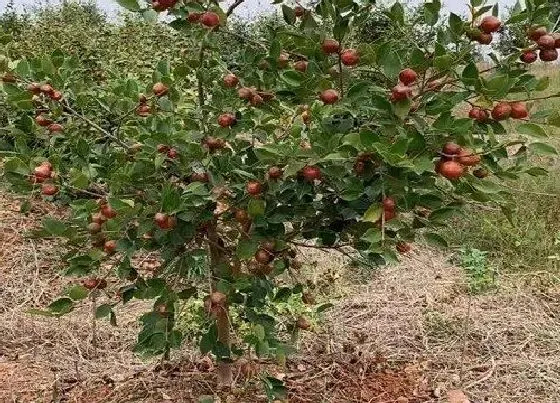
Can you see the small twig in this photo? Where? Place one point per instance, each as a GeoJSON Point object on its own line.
{"type": "Point", "coordinates": [231, 8]}
{"type": "Point", "coordinates": [465, 337]}
{"type": "Point", "coordinates": [94, 321]}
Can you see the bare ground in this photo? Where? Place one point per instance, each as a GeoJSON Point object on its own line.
{"type": "Point", "coordinates": [410, 335]}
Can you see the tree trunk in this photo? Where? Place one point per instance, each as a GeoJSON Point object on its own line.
{"type": "Point", "coordinates": [217, 259]}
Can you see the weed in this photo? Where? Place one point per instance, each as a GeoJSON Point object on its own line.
{"type": "Point", "coordinates": [481, 277]}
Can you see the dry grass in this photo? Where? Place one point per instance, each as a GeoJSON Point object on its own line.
{"type": "Point", "coordinates": [408, 333]}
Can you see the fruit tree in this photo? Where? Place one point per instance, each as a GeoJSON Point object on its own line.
{"type": "Point", "coordinates": [311, 139]}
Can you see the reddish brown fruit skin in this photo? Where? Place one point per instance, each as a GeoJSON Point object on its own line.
{"type": "Point", "coordinates": [241, 216]}
{"type": "Point", "coordinates": [275, 172]}
{"type": "Point", "coordinates": [161, 220]}
{"type": "Point", "coordinates": [400, 92]}
{"type": "Point", "coordinates": [162, 148]}
{"type": "Point", "coordinates": [263, 256]}
{"type": "Point", "coordinates": [226, 120]}
{"type": "Point", "coordinates": [478, 114]}
{"type": "Point", "coordinates": [254, 188]}
{"type": "Point", "coordinates": [245, 93]}
{"type": "Point", "coordinates": [299, 11]}
{"type": "Point", "coordinates": [311, 173]}
{"type": "Point", "coordinates": [485, 39]}
{"type": "Point", "coordinates": [194, 17]}
{"type": "Point", "coordinates": [403, 247]}
{"type": "Point", "coordinates": [283, 60]}
{"type": "Point", "coordinates": [231, 80]}
{"type": "Point", "coordinates": [110, 246]}
{"type": "Point", "coordinates": [48, 189]}
{"type": "Point", "coordinates": [55, 128]}
{"type": "Point", "coordinates": [302, 323]}
{"type": "Point", "coordinates": [214, 143]}
{"type": "Point", "coordinates": [529, 56]}
{"type": "Point", "coordinates": [518, 110]}
{"type": "Point", "coordinates": [56, 95]}
{"type": "Point", "coordinates": [468, 158]}
{"type": "Point", "coordinates": [536, 32]}
{"type": "Point", "coordinates": [359, 167]}
{"type": "Point", "coordinates": [546, 42]}
{"type": "Point", "coordinates": [480, 173]}
{"type": "Point", "coordinates": [108, 211]}
{"type": "Point", "coordinates": [91, 283]}
{"type": "Point", "coordinates": [199, 177]}
{"type": "Point", "coordinates": [160, 89]}
{"type": "Point", "coordinates": [42, 171]}
{"type": "Point", "coordinates": [94, 227]}
{"type": "Point", "coordinates": [490, 24]}
{"type": "Point", "coordinates": [330, 46]}
{"type": "Point", "coordinates": [43, 121]}
{"type": "Point", "coordinates": [256, 100]}
{"type": "Point", "coordinates": [217, 298]}
{"type": "Point", "coordinates": [350, 57]}
{"type": "Point", "coordinates": [210, 19]}
{"type": "Point", "coordinates": [34, 88]}
{"type": "Point", "coordinates": [98, 218]}
{"type": "Point", "coordinates": [172, 153]}
{"type": "Point", "coordinates": [556, 36]}
{"type": "Point", "coordinates": [389, 203]}
{"type": "Point", "coordinates": [301, 66]}
{"type": "Point", "coordinates": [451, 170]}
{"type": "Point", "coordinates": [143, 111]}
{"type": "Point", "coordinates": [408, 76]}
{"type": "Point", "coordinates": [548, 55]}
{"type": "Point", "coordinates": [329, 97]}
{"type": "Point", "coordinates": [451, 149]}
{"type": "Point", "coordinates": [47, 89]}
{"type": "Point", "coordinates": [501, 111]}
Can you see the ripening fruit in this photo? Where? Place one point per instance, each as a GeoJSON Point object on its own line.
{"type": "Point", "coordinates": [43, 121]}
{"type": "Point", "coordinates": [164, 221]}
{"type": "Point", "coordinates": [300, 65]}
{"type": "Point", "coordinates": [98, 218]}
{"type": "Point", "coordinates": [94, 227]}
{"type": "Point", "coordinates": [400, 92]}
{"type": "Point", "coordinates": [256, 100]}
{"type": "Point", "coordinates": [199, 177]}
{"type": "Point", "coordinates": [217, 298]}
{"type": "Point", "coordinates": [34, 88]}
{"type": "Point", "coordinates": [408, 76]}
{"type": "Point", "coordinates": [299, 11]}
{"type": "Point", "coordinates": [330, 46]}
{"type": "Point", "coordinates": [478, 114]}
{"type": "Point", "coordinates": [528, 56]}
{"type": "Point", "coordinates": [451, 169]}
{"type": "Point", "coordinates": [56, 95]}
{"type": "Point", "coordinates": [263, 256]}
{"type": "Point", "coordinates": [329, 97]}
{"type": "Point", "coordinates": [484, 38]}
{"type": "Point", "coordinates": [311, 173]}
{"type": "Point", "coordinates": [55, 128]}
{"type": "Point", "coordinates": [490, 24]}
{"type": "Point", "coordinates": [403, 247]}
{"type": "Point", "coordinates": [241, 216]}
{"type": "Point", "coordinates": [468, 158]}
{"type": "Point", "coordinates": [536, 32]}
{"type": "Point", "coordinates": [110, 246]}
{"type": "Point", "coordinates": [143, 110]}
{"type": "Point", "coordinates": [42, 171]}
{"type": "Point", "coordinates": [93, 282]}
{"type": "Point", "coordinates": [389, 203]}
{"type": "Point", "coordinates": [518, 110]}
{"type": "Point", "coordinates": [210, 19]}
{"type": "Point", "coordinates": [226, 120]}
{"type": "Point", "coordinates": [307, 298]}
{"type": "Point", "coordinates": [556, 36]}
{"type": "Point", "coordinates": [231, 80]}
{"type": "Point", "coordinates": [172, 153]}
{"type": "Point", "coordinates": [49, 189]}
{"type": "Point", "coordinates": [275, 172]}
{"type": "Point", "coordinates": [481, 173]}
{"type": "Point", "coordinates": [162, 148]}
{"type": "Point", "coordinates": [245, 93]}
{"type": "Point", "coordinates": [47, 89]}
{"type": "Point", "coordinates": [160, 89]}
{"type": "Point", "coordinates": [350, 57]}
{"type": "Point", "coordinates": [108, 211]}
{"type": "Point", "coordinates": [283, 60]}
{"type": "Point", "coordinates": [548, 55]}
{"type": "Point", "coordinates": [214, 143]}
{"type": "Point", "coordinates": [254, 188]}
{"type": "Point", "coordinates": [303, 323]}
{"type": "Point", "coordinates": [546, 42]}
{"type": "Point", "coordinates": [501, 111]}
{"type": "Point", "coordinates": [193, 18]}
{"type": "Point", "coordinates": [359, 167]}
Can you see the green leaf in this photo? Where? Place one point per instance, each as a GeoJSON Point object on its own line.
{"type": "Point", "coordinates": [131, 5]}
{"type": "Point", "coordinates": [61, 306]}
{"type": "Point", "coordinates": [293, 78]}
{"type": "Point", "coordinates": [54, 227]}
{"type": "Point", "coordinates": [289, 14]}
{"type": "Point", "coordinates": [78, 179]}
{"type": "Point", "coordinates": [77, 292]}
{"type": "Point", "coordinates": [373, 213]}
{"type": "Point", "coordinates": [435, 239]}
{"type": "Point", "coordinates": [470, 74]}
{"type": "Point", "coordinates": [103, 310]}
{"type": "Point", "coordinates": [246, 248]}
{"type": "Point", "coordinates": [150, 16]}
{"type": "Point", "coordinates": [324, 307]}
{"type": "Point", "coordinates": [372, 235]}
{"type": "Point", "coordinates": [256, 207]}
{"type": "Point", "coordinates": [531, 129]}
{"type": "Point", "coordinates": [542, 149]}
{"type": "Point", "coordinates": [47, 66]}
{"type": "Point", "coordinates": [258, 330]}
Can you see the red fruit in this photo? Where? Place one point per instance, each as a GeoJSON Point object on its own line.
{"type": "Point", "coordinates": [478, 114]}
{"type": "Point", "coordinates": [330, 46]}
{"type": "Point", "coordinates": [164, 221]}
{"type": "Point", "coordinates": [160, 89]}
{"type": "Point", "coordinates": [143, 110]}
{"type": "Point", "coordinates": [283, 60]}
{"type": "Point", "coordinates": [254, 188]}
{"type": "Point", "coordinates": [142, 99]}
{"type": "Point", "coordinates": [167, 3]}
{"type": "Point", "coordinates": [108, 211]}
{"type": "Point", "coordinates": [263, 256]}
{"type": "Point", "coordinates": [518, 110]}
{"type": "Point", "coordinates": [49, 189]}
{"type": "Point", "coordinates": [56, 95]}
{"type": "Point", "coordinates": [241, 216]}
{"type": "Point", "coordinates": [275, 172]}
{"type": "Point", "coordinates": [210, 19]}
{"type": "Point", "coordinates": [157, 6]}
{"type": "Point", "coordinates": [34, 88]}
{"type": "Point", "coordinates": [199, 177]}
{"type": "Point", "coordinates": [359, 167]}
{"type": "Point", "coordinates": [546, 42]}
{"type": "Point", "coordinates": [94, 227]}
{"type": "Point", "coordinates": [245, 93]}
{"type": "Point", "coordinates": [548, 55]}
{"type": "Point", "coordinates": [403, 247]}
{"type": "Point", "coordinates": [408, 76]}
{"type": "Point", "coordinates": [226, 120]}
{"type": "Point", "coordinates": [389, 214]}
{"type": "Point", "coordinates": [490, 24]}
{"type": "Point", "coordinates": [311, 173]}
{"type": "Point", "coordinates": [98, 218]}
{"type": "Point", "coordinates": [528, 56]}
{"type": "Point", "coordinates": [484, 39]}
{"type": "Point", "coordinates": [303, 323]}
{"type": "Point", "coordinates": [301, 65]}
{"type": "Point", "coordinates": [389, 203]}
{"type": "Point", "coordinates": [451, 169]}
{"type": "Point", "coordinates": [536, 32]}
{"type": "Point", "coordinates": [162, 148]}
{"type": "Point", "coordinates": [329, 97]}
{"type": "Point", "coordinates": [556, 36]}
{"type": "Point", "coordinates": [400, 92]}
{"type": "Point", "coordinates": [193, 18]}
{"type": "Point", "coordinates": [47, 89]}
{"type": "Point", "coordinates": [214, 143]}
{"type": "Point", "coordinates": [256, 100]}
{"type": "Point", "coordinates": [480, 173]}
{"type": "Point", "coordinates": [299, 11]}
{"type": "Point", "coordinates": [350, 57]}
{"type": "Point", "coordinates": [468, 158]}
{"type": "Point", "coordinates": [55, 128]}
{"type": "Point", "coordinates": [91, 283]}
{"type": "Point", "coordinates": [43, 121]}
{"type": "Point", "coordinates": [501, 111]}
{"type": "Point", "coordinates": [231, 80]}
{"type": "Point", "coordinates": [110, 246]}
{"type": "Point", "coordinates": [172, 153]}
{"type": "Point", "coordinates": [42, 171]}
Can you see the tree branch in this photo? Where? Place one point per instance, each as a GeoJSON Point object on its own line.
{"type": "Point", "coordinates": [231, 8]}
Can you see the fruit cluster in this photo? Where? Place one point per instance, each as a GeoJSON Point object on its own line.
{"type": "Point", "coordinates": [487, 27]}
{"type": "Point", "coordinates": [43, 92]}
{"type": "Point", "coordinates": [501, 111]}
{"type": "Point", "coordinates": [546, 43]}
{"type": "Point", "coordinates": [403, 89]}
{"type": "Point", "coordinates": [455, 160]}
{"type": "Point", "coordinates": [43, 174]}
